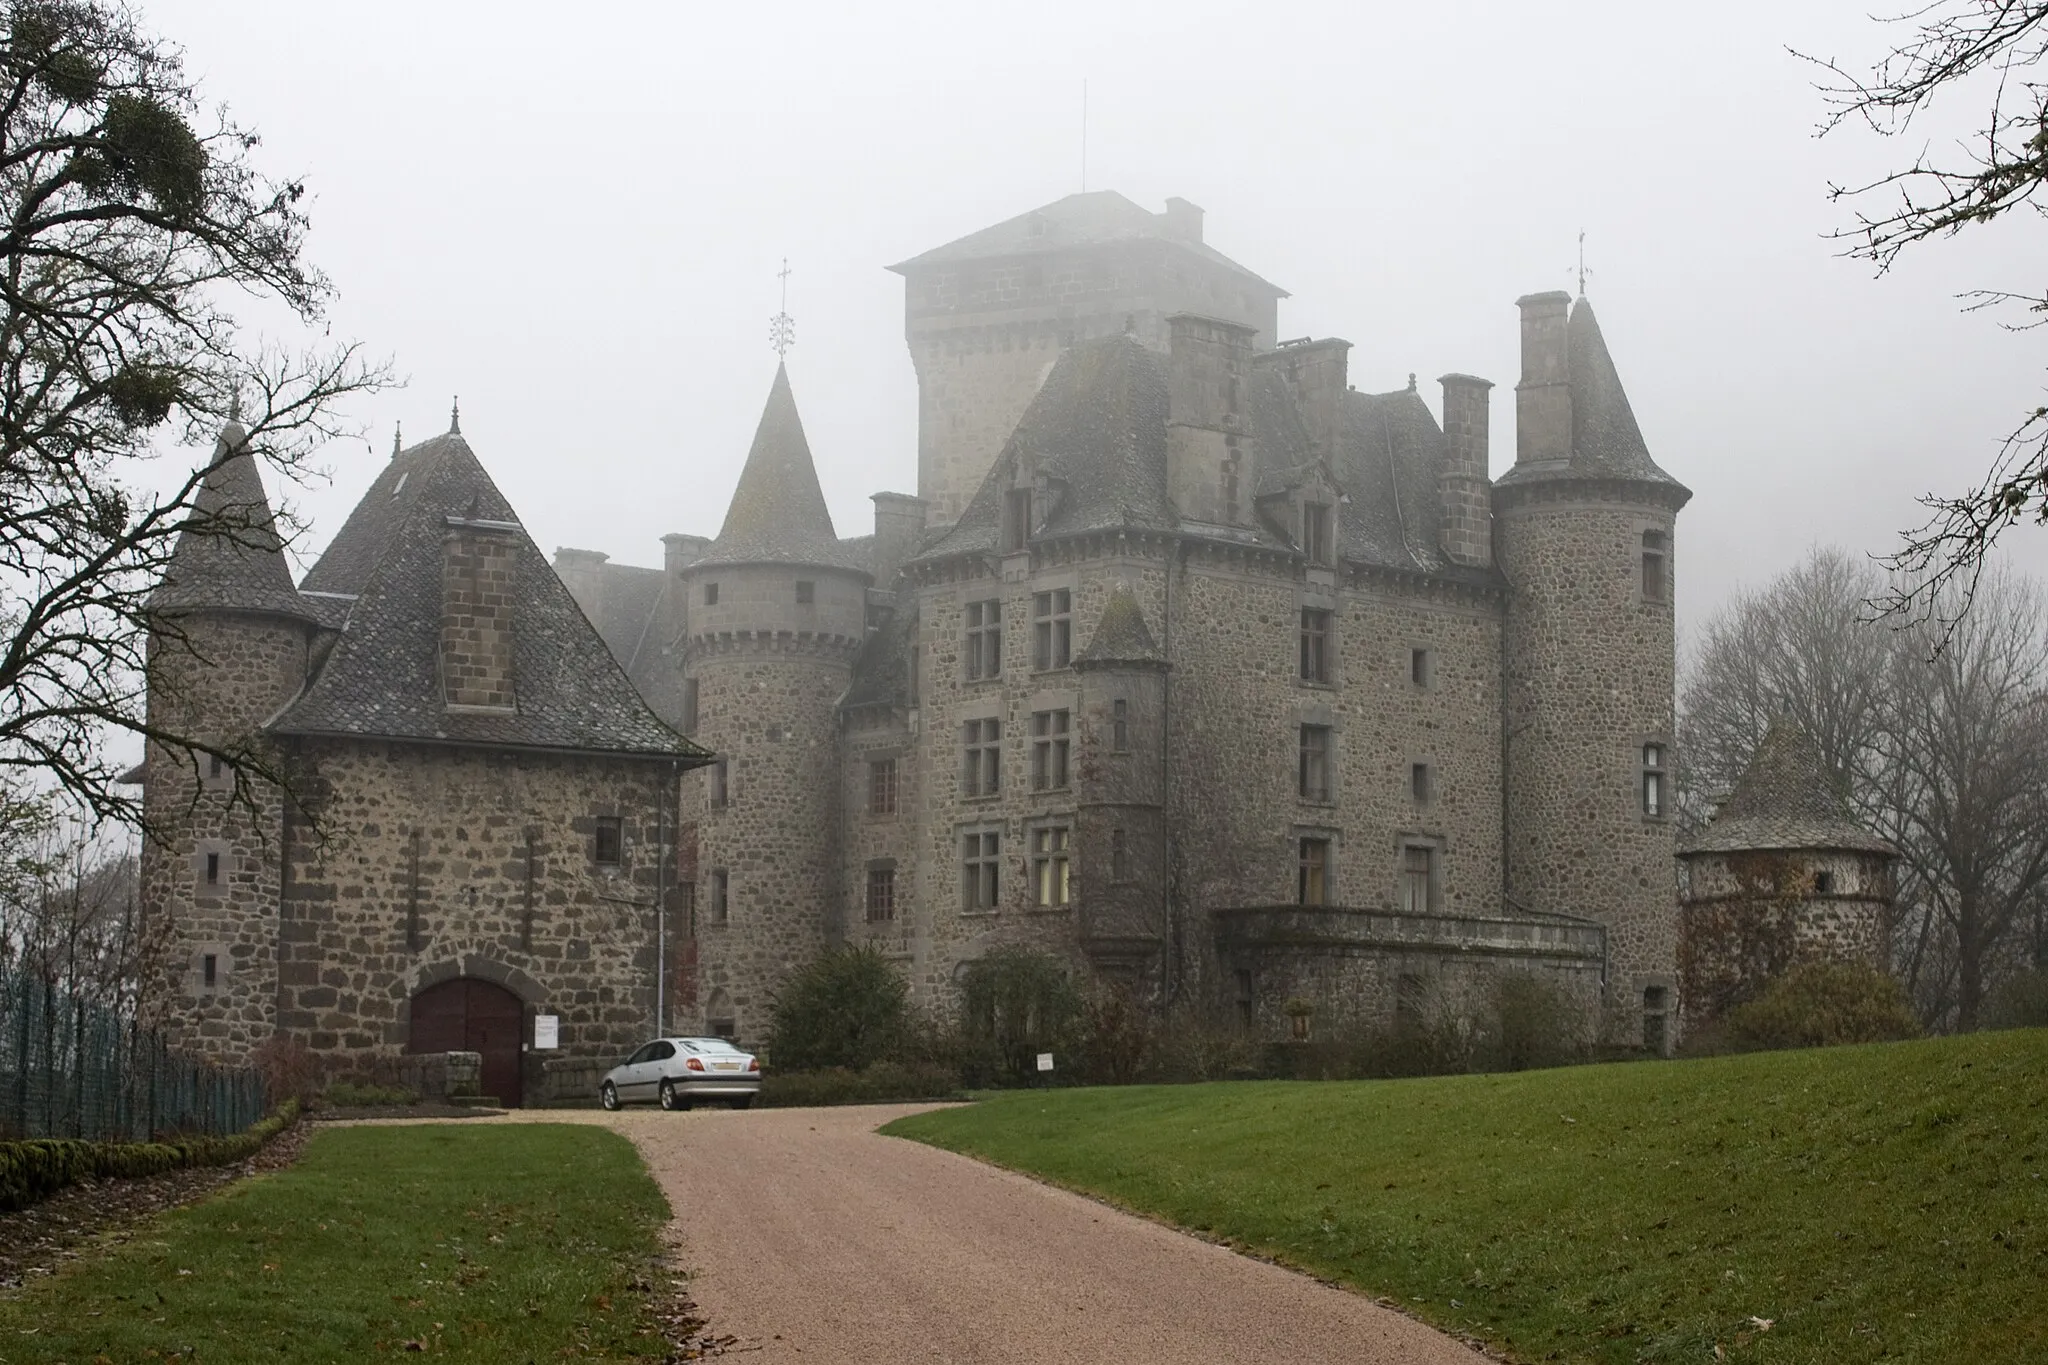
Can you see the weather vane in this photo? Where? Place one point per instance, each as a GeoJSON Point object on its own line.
{"type": "Point", "coordinates": [1582, 263]}
{"type": "Point", "coordinates": [782, 327]}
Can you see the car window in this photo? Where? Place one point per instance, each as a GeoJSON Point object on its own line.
{"type": "Point", "coordinates": [644, 1054]}
{"type": "Point", "coordinates": [661, 1051]}
{"type": "Point", "coordinates": [712, 1045]}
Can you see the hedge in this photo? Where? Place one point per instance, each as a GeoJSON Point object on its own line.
{"type": "Point", "coordinates": [882, 1083]}
{"type": "Point", "coordinates": [39, 1167]}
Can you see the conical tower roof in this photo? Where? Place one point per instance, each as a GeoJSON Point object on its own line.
{"type": "Point", "coordinates": [230, 556]}
{"type": "Point", "coordinates": [1121, 636]}
{"type": "Point", "coordinates": [778, 513]}
{"type": "Point", "coordinates": [1784, 801]}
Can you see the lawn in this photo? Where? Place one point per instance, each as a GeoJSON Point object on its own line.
{"type": "Point", "coordinates": [487, 1243]}
{"type": "Point", "coordinates": [1846, 1204]}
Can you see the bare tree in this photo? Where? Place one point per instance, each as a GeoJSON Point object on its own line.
{"type": "Point", "coordinates": [1988, 50]}
{"type": "Point", "coordinates": [129, 220]}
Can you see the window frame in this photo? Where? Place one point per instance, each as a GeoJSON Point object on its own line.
{"type": "Point", "coordinates": [1052, 630]}
{"type": "Point", "coordinates": [1051, 853]}
{"type": "Point", "coordinates": [720, 912]}
{"type": "Point", "coordinates": [1653, 782]}
{"type": "Point", "coordinates": [1318, 630]}
{"type": "Point", "coordinates": [608, 829]}
{"type": "Point", "coordinates": [982, 652]}
{"type": "Point", "coordinates": [1430, 874]}
{"type": "Point", "coordinates": [1422, 668]}
{"type": "Point", "coordinates": [884, 792]}
{"type": "Point", "coordinates": [1421, 781]}
{"type": "Point", "coordinates": [1018, 512]}
{"type": "Point", "coordinates": [711, 594]}
{"type": "Point", "coordinates": [719, 784]}
{"type": "Point", "coordinates": [879, 898]}
{"type": "Point", "coordinates": [1120, 725]}
{"type": "Point", "coordinates": [1315, 861]}
{"type": "Point", "coordinates": [981, 869]}
{"type": "Point", "coordinates": [1051, 749]}
{"type": "Point", "coordinates": [1653, 583]}
{"type": "Point", "coordinates": [1319, 533]}
{"type": "Point", "coordinates": [981, 757]}
{"type": "Point", "coordinates": [1316, 758]}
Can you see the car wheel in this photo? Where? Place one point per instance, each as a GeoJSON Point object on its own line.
{"type": "Point", "coordinates": [608, 1095]}
{"type": "Point", "coordinates": [670, 1100]}
{"type": "Point", "coordinates": [742, 1101]}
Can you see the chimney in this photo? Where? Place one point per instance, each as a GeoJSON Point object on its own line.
{"type": "Point", "coordinates": [582, 573]}
{"type": "Point", "coordinates": [1208, 431]}
{"type": "Point", "coordinates": [899, 530]}
{"type": "Point", "coordinates": [1463, 487]}
{"type": "Point", "coordinates": [679, 552]}
{"type": "Point", "coordinates": [1183, 220]}
{"type": "Point", "coordinates": [1317, 375]}
{"type": "Point", "coordinates": [1543, 400]}
{"type": "Point", "coordinates": [479, 589]}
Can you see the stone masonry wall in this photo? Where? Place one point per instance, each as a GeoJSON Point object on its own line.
{"type": "Point", "coordinates": [218, 686]}
{"type": "Point", "coordinates": [1745, 918]}
{"type": "Point", "coordinates": [880, 839]}
{"type": "Point", "coordinates": [479, 594]}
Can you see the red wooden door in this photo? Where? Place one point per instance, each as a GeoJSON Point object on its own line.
{"type": "Point", "coordinates": [467, 1015]}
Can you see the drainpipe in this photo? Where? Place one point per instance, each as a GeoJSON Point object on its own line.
{"type": "Point", "coordinates": [661, 902]}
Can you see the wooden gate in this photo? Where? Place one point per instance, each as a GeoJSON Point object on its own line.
{"type": "Point", "coordinates": [467, 1015]}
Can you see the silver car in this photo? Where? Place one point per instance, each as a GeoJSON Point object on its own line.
{"type": "Point", "coordinates": [673, 1072]}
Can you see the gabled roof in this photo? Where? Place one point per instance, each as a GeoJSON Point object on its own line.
{"type": "Point", "coordinates": [881, 672]}
{"type": "Point", "coordinates": [1606, 441]}
{"type": "Point", "coordinates": [778, 513]}
{"type": "Point", "coordinates": [234, 558]}
{"type": "Point", "coordinates": [1784, 801]}
{"type": "Point", "coordinates": [1392, 454]}
{"type": "Point", "coordinates": [1091, 218]}
{"type": "Point", "coordinates": [1121, 636]}
{"type": "Point", "coordinates": [382, 679]}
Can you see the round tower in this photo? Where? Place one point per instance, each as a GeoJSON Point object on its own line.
{"type": "Point", "coordinates": [1584, 529]}
{"type": "Point", "coordinates": [776, 610]}
{"type": "Point", "coordinates": [227, 648]}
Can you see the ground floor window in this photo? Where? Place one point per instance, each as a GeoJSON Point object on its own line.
{"type": "Point", "coordinates": [881, 894]}
{"type": "Point", "coordinates": [981, 869]}
{"type": "Point", "coordinates": [1312, 883]}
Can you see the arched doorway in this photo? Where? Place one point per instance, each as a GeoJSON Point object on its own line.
{"type": "Point", "coordinates": [468, 1015]}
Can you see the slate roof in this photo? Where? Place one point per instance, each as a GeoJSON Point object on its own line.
{"type": "Point", "coordinates": [1090, 218]}
{"type": "Point", "coordinates": [778, 513]}
{"type": "Point", "coordinates": [881, 672]}
{"type": "Point", "coordinates": [236, 559]}
{"type": "Point", "coordinates": [1121, 636]}
{"type": "Point", "coordinates": [1392, 453]}
{"type": "Point", "coordinates": [1783, 801]}
{"type": "Point", "coordinates": [382, 679]}
{"type": "Point", "coordinates": [1606, 442]}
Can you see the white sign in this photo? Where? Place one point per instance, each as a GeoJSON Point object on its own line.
{"type": "Point", "coordinates": [547, 1032]}
{"type": "Point", "coordinates": [1045, 1061]}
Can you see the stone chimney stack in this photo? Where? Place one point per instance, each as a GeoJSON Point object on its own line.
{"type": "Point", "coordinates": [582, 573]}
{"type": "Point", "coordinates": [1543, 400]}
{"type": "Point", "coordinates": [1463, 486]}
{"type": "Point", "coordinates": [899, 529]}
{"type": "Point", "coordinates": [1184, 220]}
{"type": "Point", "coordinates": [1209, 461]}
{"type": "Point", "coordinates": [679, 551]}
{"type": "Point", "coordinates": [479, 593]}
{"type": "Point", "coordinates": [1317, 375]}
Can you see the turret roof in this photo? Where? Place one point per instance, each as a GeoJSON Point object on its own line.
{"type": "Point", "coordinates": [1121, 636]}
{"type": "Point", "coordinates": [1783, 801]}
{"type": "Point", "coordinates": [230, 556]}
{"type": "Point", "coordinates": [778, 513]}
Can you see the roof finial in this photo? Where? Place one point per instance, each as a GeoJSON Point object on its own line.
{"type": "Point", "coordinates": [455, 417]}
{"type": "Point", "coordinates": [235, 405]}
{"type": "Point", "coordinates": [782, 327]}
{"type": "Point", "coordinates": [397, 438]}
{"type": "Point", "coordinates": [1411, 381]}
{"type": "Point", "coordinates": [1582, 263]}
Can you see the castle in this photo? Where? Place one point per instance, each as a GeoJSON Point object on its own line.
{"type": "Point", "coordinates": [1188, 662]}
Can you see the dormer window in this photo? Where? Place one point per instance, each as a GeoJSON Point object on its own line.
{"type": "Point", "coordinates": [1318, 532]}
{"type": "Point", "coordinates": [1016, 519]}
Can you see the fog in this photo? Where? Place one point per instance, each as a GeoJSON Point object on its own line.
{"type": "Point", "coordinates": [576, 223]}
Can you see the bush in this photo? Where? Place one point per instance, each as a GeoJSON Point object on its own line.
{"type": "Point", "coordinates": [882, 1083]}
{"type": "Point", "coordinates": [846, 1008]}
{"type": "Point", "coordinates": [39, 1167]}
{"type": "Point", "coordinates": [289, 1068]}
{"type": "Point", "coordinates": [1532, 1023]}
{"type": "Point", "coordinates": [1193, 1045]}
{"type": "Point", "coordinates": [1016, 1003]}
{"type": "Point", "coordinates": [2021, 1001]}
{"type": "Point", "coordinates": [1820, 1004]}
{"type": "Point", "coordinates": [365, 1092]}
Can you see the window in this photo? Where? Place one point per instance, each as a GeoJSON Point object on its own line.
{"type": "Point", "coordinates": [1317, 528]}
{"type": "Point", "coordinates": [721, 785]}
{"type": "Point", "coordinates": [1418, 879]}
{"type": "Point", "coordinates": [1653, 781]}
{"type": "Point", "coordinates": [1315, 763]}
{"type": "Point", "coordinates": [1120, 726]}
{"type": "Point", "coordinates": [1315, 645]}
{"type": "Point", "coordinates": [213, 869]}
{"type": "Point", "coordinates": [806, 592]}
{"type": "Point", "coordinates": [607, 847]}
{"type": "Point", "coordinates": [1824, 883]}
{"type": "Point", "coordinates": [1246, 998]}
{"type": "Point", "coordinates": [1312, 886]}
{"type": "Point", "coordinates": [209, 971]}
{"type": "Point", "coordinates": [686, 908]}
{"type": "Point", "coordinates": [1656, 1008]}
{"type": "Point", "coordinates": [881, 894]}
{"type": "Point", "coordinates": [1049, 866]}
{"type": "Point", "coordinates": [721, 891]}
{"type": "Point", "coordinates": [1119, 856]}
{"type": "Point", "coordinates": [689, 706]}
{"type": "Point", "coordinates": [214, 767]}
{"type": "Point", "coordinates": [981, 772]}
{"type": "Point", "coordinates": [981, 869]}
{"type": "Point", "coordinates": [710, 594]}
{"type": "Point", "coordinates": [1421, 782]}
{"type": "Point", "coordinates": [984, 640]}
{"type": "Point", "coordinates": [1048, 750]}
{"type": "Point", "coordinates": [723, 1028]}
{"type": "Point", "coordinates": [1422, 668]}
{"type": "Point", "coordinates": [1656, 566]}
{"type": "Point", "coordinates": [1053, 628]}
{"type": "Point", "coordinates": [882, 786]}
{"type": "Point", "coordinates": [1016, 519]}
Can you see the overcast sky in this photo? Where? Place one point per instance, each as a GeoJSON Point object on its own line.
{"type": "Point", "coordinates": [573, 219]}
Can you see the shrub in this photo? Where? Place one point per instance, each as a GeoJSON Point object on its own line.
{"type": "Point", "coordinates": [846, 1008]}
{"type": "Point", "coordinates": [365, 1092]}
{"type": "Point", "coordinates": [1531, 1023]}
{"type": "Point", "coordinates": [1117, 1036]}
{"type": "Point", "coordinates": [881, 1083]}
{"type": "Point", "coordinates": [1016, 1003]}
{"type": "Point", "coordinates": [37, 1168]}
{"type": "Point", "coordinates": [1194, 1045]}
{"type": "Point", "coordinates": [289, 1068]}
{"type": "Point", "coordinates": [1819, 1004]}
{"type": "Point", "coordinates": [2021, 1001]}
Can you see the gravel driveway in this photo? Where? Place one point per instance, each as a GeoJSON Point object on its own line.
{"type": "Point", "coordinates": [812, 1238]}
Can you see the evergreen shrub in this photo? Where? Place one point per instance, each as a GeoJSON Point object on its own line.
{"type": "Point", "coordinates": [1821, 1004]}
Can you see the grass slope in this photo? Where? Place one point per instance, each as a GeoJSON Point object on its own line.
{"type": "Point", "coordinates": [507, 1243]}
{"type": "Point", "coordinates": [1886, 1202]}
